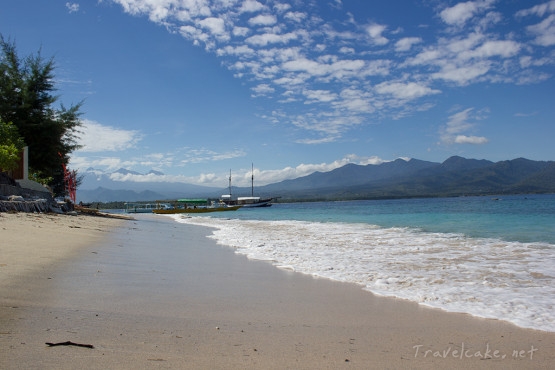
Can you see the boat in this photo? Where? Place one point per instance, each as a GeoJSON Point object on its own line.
{"type": "Point", "coordinates": [246, 202]}
{"type": "Point", "coordinates": [254, 202]}
{"type": "Point", "coordinates": [194, 206]}
{"type": "Point", "coordinates": [140, 207]}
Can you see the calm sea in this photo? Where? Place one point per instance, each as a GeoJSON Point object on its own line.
{"type": "Point", "coordinates": [487, 256]}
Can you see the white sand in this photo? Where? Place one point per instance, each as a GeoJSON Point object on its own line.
{"type": "Point", "coordinates": [157, 294]}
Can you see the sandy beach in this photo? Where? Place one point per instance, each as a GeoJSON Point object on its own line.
{"type": "Point", "coordinates": [150, 293]}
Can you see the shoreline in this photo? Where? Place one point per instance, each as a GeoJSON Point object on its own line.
{"type": "Point", "coordinates": [154, 292]}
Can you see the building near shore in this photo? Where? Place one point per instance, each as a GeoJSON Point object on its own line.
{"type": "Point", "coordinates": [22, 185]}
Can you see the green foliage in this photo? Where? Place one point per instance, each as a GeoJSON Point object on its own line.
{"type": "Point", "coordinates": [8, 157]}
{"type": "Point", "coordinates": [10, 146]}
{"type": "Point", "coordinates": [27, 100]}
{"type": "Point", "coordinates": [40, 177]}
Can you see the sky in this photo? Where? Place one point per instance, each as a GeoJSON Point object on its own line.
{"type": "Point", "coordinates": [189, 90]}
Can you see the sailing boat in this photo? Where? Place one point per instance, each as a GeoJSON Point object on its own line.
{"type": "Point", "coordinates": [246, 202]}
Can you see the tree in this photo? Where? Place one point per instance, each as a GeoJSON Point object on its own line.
{"type": "Point", "coordinates": [27, 100]}
{"type": "Point", "coordinates": [10, 146]}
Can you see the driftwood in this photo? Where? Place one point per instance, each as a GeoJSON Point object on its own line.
{"type": "Point", "coordinates": [69, 343]}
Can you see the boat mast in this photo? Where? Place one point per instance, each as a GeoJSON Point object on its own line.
{"type": "Point", "coordinates": [252, 179]}
{"type": "Point", "coordinates": [230, 184]}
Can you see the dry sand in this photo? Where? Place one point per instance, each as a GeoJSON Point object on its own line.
{"type": "Point", "coordinates": [152, 294]}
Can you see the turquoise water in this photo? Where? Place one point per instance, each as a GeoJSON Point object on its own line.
{"type": "Point", "coordinates": [522, 218]}
{"type": "Point", "coordinates": [491, 257]}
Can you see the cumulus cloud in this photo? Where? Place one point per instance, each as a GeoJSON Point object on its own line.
{"type": "Point", "coordinates": [215, 26]}
{"type": "Point", "coordinates": [251, 6]}
{"type": "Point", "coordinates": [406, 43]}
{"type": "Point", "coordinates": [263, 20]}
{"type": "Point", "coordinates": [460, 13]}
{"type": "Point", "coordinates": [375, 31]}
{"type": "Point", "coordinates": [263, 89]}
{"type": "Point", "coordinates": [96, 137]}
{"type": "Point", "coordinates": [101, 164]}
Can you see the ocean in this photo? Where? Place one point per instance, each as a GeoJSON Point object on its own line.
{"type": "Point", "coordinates": [491, 257]}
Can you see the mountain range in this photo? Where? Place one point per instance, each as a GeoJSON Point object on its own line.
{"type": "Point", "coordinates": [401, 178]}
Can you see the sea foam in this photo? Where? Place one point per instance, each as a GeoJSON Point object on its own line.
{"type": "Point", "coordinates": [489, 278]}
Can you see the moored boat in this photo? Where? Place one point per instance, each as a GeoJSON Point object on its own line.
{"type": "Point", "coordinates": [140, 207]}
{"type": "Point", "coordinates": [194, 206]}
{"type": "Point", "coordinates": [246, 202]}
{"type": "Point", "coordinates": [254, 202]}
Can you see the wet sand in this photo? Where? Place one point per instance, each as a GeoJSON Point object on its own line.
{"type": "Point", "coordinates": [152, 293]}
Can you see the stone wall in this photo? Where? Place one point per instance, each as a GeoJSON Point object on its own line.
{"type": "Point", "coordinates": [15, 198]}
{"type": "Point", "coordinates": [40, 205]}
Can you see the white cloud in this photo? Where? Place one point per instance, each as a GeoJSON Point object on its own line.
{"type": "Point", "coordinates": [96, 137]}
{"type": "Point", "coordinates": [82, 163]}
{"type": "Point", "coordinates": [284, 52]}
{"type": "Point", "coordinates": [263, 89]}
{"type": "Point", "coordinates": [179, 158]}
{"type": "Point", "coordinates": [544, 31]}
{"type": "Point", "coordinates": [346, 50]}
{"type": "Point", "coordinates": [295, 16]}
{"type": "Point", "coordinates": [240, 31]}
{"type": "Point", "coordinates": [463, 139]}
{"type": "Point", "coordinates": [242, 50]}
{"type": "Point", "coordinates": [281, 7]}
{"type": "Point", "coordinates": [459, 14]}
{"type": "Point", "coordinates": [468, 59]}
{"type": "Point", "coordinates": [375, 32]}
{"type": "Point", "coordinates": [323, 96]}
{"type": "Point", "coordinates": [202, 155]}
{"type": "Point", "coordinates": [405, 91]}
{"type": "Point", "coordinates": [355, 101]}
{"type": "Point", "coordinates": [216, 26]}
{"type": "Point", "coordinates": [72, 7]}
{"type": "Point", "coordinates": [493, 48]}
{"type": "Point", "coordinates": [270, 38]}
{"type": "Point", "coordinates": [251, 6]}
{"type": "Point", "coordinates": [539, 10]}
{"type": "Point", "coordinates": [405, 44]}
{"type": "Point", "coordinates": [322, 140]}
{"type": "Point", "coordinates": [263, 20]}
{"type": "Point", "coordinates": [453, 132]}
{"type": "Point", "coordinates": [336, 69]}
{"type": "Point", "coordinates": [462, 75]}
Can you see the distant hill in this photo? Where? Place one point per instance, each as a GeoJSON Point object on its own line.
{"type": "Point", "coordinates": [351, 175]}
{"type": "Point", "coordinates": [456, 176]}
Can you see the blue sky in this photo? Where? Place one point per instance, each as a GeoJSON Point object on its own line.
{"type": "Point", "coordinates": [196, 88]}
